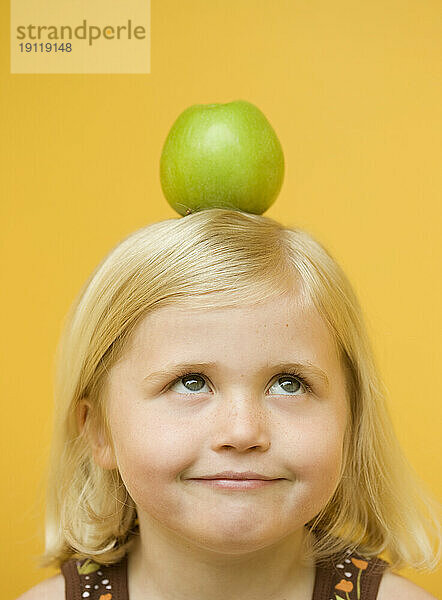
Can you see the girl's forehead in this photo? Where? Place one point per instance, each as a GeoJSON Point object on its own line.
{"type": "Point", "coordinates": [275, 310]}
{"type": "Point", "coordinates": [283, 319]}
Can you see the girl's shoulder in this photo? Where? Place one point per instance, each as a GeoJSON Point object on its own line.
{"type": "Point", "coordinates": [353, 576]}
{"type": "Point", "coordinates": [396, 587]}
{"type": "Point", "coordinates": [83, 579]}
{"type": "Point", "coordinates": [49, 589]}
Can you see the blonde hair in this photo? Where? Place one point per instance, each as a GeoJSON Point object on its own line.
{"type": "Point", "coordinates": [226, 258]}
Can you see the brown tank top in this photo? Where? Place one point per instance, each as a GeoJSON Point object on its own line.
{"type": "Point", "coordinates": [351, 578]}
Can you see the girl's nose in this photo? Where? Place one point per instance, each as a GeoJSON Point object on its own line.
{"type": "Point", "coordinates": [241, 424]}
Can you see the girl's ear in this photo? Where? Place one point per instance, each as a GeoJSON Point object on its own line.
{"type": "Point", "coordinates": [102, 451]}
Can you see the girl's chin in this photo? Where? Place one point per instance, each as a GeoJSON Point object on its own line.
{"type": "Point", "coordinates": [233, 547]}
{"type": "Point", "coordinates": [234, 538]}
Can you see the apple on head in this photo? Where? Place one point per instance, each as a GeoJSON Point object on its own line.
{"type": "Point", "coordinates": [221, 156]}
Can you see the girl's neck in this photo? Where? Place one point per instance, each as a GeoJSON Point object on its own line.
{"type": "Point", "coordinates": [161, 567]}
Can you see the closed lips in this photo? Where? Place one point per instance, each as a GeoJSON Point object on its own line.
{"type": "Point", "coordinates": [235, 475]}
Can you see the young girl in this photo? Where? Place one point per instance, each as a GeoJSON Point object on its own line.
{"type": "Point", "coordinates": [221, 429]}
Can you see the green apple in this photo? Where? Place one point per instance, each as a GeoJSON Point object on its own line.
{"type": "Point", "coordinates": [221, 156]}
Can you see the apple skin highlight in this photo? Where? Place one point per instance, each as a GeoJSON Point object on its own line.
{"type": "Point", "coordinates": [221, 156]}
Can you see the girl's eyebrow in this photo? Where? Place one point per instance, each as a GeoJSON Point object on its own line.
{"type": "Point", "coordinates": [175, 369]}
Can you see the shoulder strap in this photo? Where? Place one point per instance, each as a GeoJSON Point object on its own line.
{"type": "Point", "coordinates": [350, 578]}
{"type": "Point", "coordinates": [87, 580]}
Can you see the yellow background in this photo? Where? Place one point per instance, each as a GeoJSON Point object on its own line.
{"type": "Point", "coordinates": [352, 89]}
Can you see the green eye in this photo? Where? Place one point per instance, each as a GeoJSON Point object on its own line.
{"type": "Point", "coordinates": [291, 383]}
{"type": "Point", "coordinates": [193, 382]}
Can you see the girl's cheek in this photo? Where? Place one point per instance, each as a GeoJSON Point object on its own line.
{"type": "Point", "coordinates": [155, 449]}
{"type": "Point", "coordinates": [316, 449]}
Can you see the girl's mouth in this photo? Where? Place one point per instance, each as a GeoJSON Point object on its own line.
{"type": "Point", "coordinates": [236, 484]}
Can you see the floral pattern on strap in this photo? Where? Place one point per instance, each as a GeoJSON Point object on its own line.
{"type": "Point", "coordinates": [94, 582]}
{"type": "Point", "coordinates": [349, 585]}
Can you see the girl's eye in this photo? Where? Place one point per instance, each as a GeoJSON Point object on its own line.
{"type": "Point", "coordinates": [291, 384]}
{"type": "Point", "coordinates": [192, 382]}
